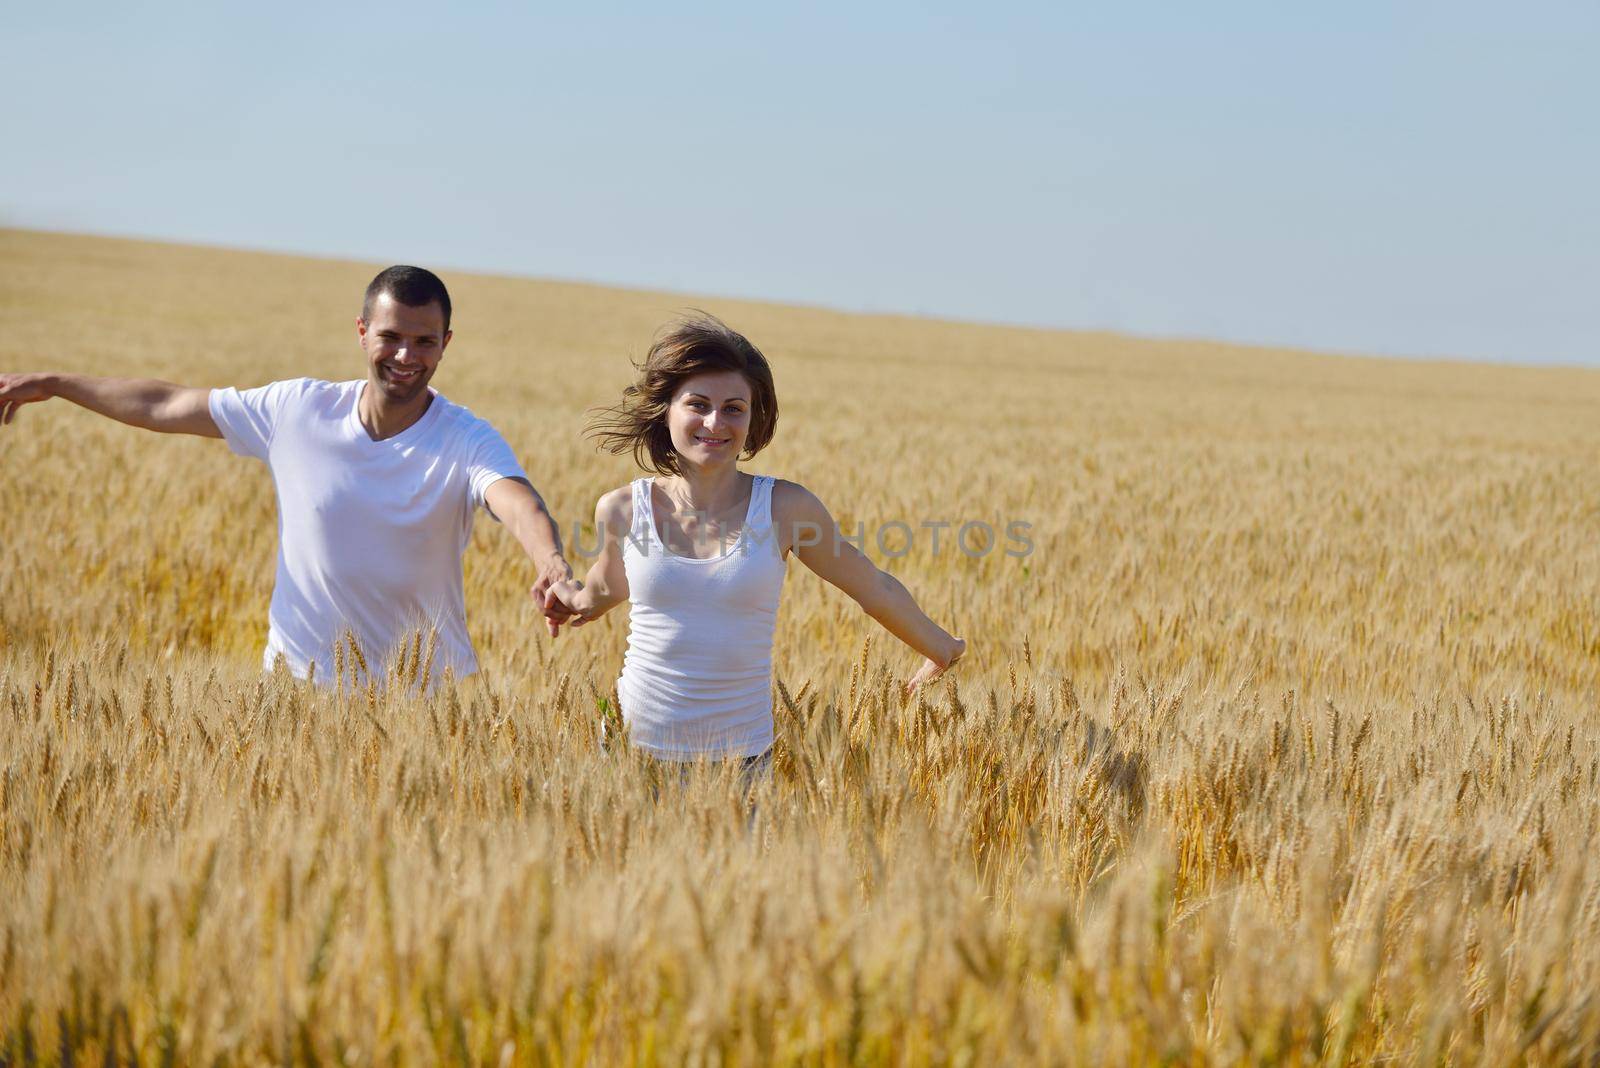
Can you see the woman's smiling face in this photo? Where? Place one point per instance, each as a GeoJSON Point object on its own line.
{"type": "Point", "coordinates": [709, 417]}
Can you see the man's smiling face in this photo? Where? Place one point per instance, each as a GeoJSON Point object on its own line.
{"type": "Point", "coordinates": [403, 346]}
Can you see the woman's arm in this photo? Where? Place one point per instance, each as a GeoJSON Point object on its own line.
{"type": "Point", "coordinates": [606, 584]}
{"type": "Point", "coordinates": [805, 524]}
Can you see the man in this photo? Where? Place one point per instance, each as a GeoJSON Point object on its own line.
{"type": "Point", "coordinates": [377, 483]}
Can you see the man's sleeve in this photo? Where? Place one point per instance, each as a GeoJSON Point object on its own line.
{"type": "Point", "coordinates": [249, 417]}
{"type": "Point", "coordinates": [491, 460]}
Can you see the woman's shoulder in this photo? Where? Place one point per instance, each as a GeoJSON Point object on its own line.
{"type": "Point", "coordinates": [791, 501]}
{"type": "Point", "coordinates": [615, 507]}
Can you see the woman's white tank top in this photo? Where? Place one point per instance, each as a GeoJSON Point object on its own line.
{"type": "Point", "coordinates": [697, 677]}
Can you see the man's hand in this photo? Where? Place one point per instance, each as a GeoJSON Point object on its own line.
{"type": "Point", "coordinates": [519, 507]}
{"type": "Point", "coordinates": [564, 603]}
{"type": "Point", "coordinates": [555, 572]}
{"type": "Point", "coordinates": [19, 389]}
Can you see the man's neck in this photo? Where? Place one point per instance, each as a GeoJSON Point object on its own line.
{"type": "Point", "coordinates": [383, 418]}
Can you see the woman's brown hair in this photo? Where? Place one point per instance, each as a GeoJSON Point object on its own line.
{"type": "Point", "coordinates": [696, 344]}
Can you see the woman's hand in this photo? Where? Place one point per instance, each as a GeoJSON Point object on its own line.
{"type": "Point", "coordinates": [569, 601]}
{"type": "Point", "coordinates": [565, 602]}
{"type": "Point", "coordinates": [931, 669]}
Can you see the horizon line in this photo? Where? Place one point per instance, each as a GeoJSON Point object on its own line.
{"type": "Point", "coordinates": [1430, 359]}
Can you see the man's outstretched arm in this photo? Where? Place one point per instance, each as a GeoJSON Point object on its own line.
{"type": "Point", "coordinates": [141, 402]}
{"type": "Point", "coordinates": [521, 510]}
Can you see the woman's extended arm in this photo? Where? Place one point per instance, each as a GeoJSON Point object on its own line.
{"type": "Point", "coordinates": [606, 584]}
{"type": "Point", "coordinates": [804, 523]}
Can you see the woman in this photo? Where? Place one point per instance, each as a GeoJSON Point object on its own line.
{"type": "Point", "coordinates": [699, 550]}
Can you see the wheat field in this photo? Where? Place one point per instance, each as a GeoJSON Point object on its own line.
{"type": "Point", "coordinates": [1282, 746]}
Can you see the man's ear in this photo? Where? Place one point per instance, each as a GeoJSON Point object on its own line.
{"type": "Point", "coordinates": [361, 330]}
{"type": "Point", "coordinates": [448, 334]}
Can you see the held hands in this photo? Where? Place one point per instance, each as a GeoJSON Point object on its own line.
{"type": "Point", "coordinates": [557, 573]}
{"type": "Point", "coordinates": [566, 603]}
{"type": "Point", "coordinates": [931, 669]}
{"type": "Point", "coordinates": [17, 390]}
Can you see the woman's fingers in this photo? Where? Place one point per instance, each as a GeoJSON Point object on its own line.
{"type": "Point", "coordinates": [558, 598]}
{"type": "Point", "coordinates": [557, 610]}
{"type": "Point", "coordinates": [925, 674]}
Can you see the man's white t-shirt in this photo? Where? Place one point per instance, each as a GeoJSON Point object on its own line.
{"type": "Point", "coordinates": [370, 533]}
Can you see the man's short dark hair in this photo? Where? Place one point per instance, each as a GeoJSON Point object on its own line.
{"type": "Point", "coordinates": [415, 287]}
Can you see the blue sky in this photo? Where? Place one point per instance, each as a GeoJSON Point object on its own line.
{"type": "Point", "coordinates": [1410, 178]}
